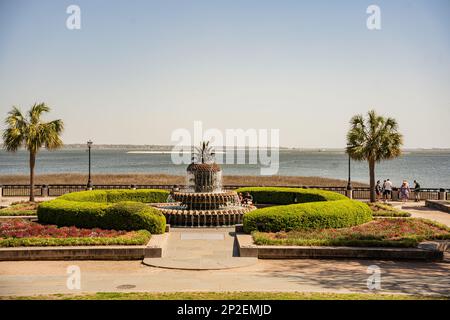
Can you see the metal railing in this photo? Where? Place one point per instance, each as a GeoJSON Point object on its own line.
{"type": "Point", "coordinates": [55, 190]}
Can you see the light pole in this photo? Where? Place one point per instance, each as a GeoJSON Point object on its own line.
{"type": "Point", "coordinates": [349, 183]}
{"type": "Point", "coordinates": [89, 184]}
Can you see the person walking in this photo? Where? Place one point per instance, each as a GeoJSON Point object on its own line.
{"type": "Point", "coordinates": [404, 191]}
{"type": "Point", "coordinates": [416, 191]}
{"type": "Point", "coordinates": [378, 190]}
{"type": "Point", "coordinates": [387, 186]}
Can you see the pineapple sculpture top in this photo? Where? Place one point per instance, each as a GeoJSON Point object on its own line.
{"type": "Point", "coordinates": [203, 174]}
{"type": "Point", "coordinates": [204, 153]}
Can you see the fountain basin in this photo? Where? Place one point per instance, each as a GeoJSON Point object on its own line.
{"type": "Point", "coordinates": [178, 215]}
{"type": "Point", "coordinates": [205, 200]}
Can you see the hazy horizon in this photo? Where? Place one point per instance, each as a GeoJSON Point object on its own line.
{"type": "Point", "coordinates": [137, 71]}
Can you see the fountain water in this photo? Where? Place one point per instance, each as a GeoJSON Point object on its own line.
{"type": "Point", "coordinates": [203, 202]}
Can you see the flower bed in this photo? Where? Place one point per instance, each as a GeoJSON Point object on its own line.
{"type": "Point", "coordinates": [18, 232]}
{"type": "Point", "coordinates": [383, 232]}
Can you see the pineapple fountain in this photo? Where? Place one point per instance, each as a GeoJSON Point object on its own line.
{"type": "Point", "coordinates": [203, 203]}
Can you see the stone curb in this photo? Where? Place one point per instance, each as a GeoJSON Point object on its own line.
{"type": "Point", "coordinates": [438, 204]}
{"type": "Point", "coordinates": [429, 251]}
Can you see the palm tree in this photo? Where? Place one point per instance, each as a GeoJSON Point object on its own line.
{"type": "Point", "coordinates": [32, 133]}
{"type": "Point", "coordinates": [373, 139]}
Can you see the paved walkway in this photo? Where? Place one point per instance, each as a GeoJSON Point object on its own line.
{"type": "Point", "coordinates": [7, 201]}
{"type": "Point", "coordinates": [341, 276]}
{"type": "Point", "coordinates": [418, 210]}
{"type": "Point", "coordinates": [189, 246]}
{"type": "Point", "coordinates": [200, 249]}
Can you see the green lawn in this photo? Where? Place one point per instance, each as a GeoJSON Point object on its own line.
{"type": "Point", "coordinates": [386, 210]}
{"type": "Point", "coordinates": [20, 209]}
{"type": "Point", "coordinates": [227, 296]}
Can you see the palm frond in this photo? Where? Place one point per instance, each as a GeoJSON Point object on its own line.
{"type": "Point", "coordinates": [34, 114]}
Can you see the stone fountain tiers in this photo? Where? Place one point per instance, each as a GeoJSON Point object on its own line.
{"type": "Point", "coordinates": [177, 216]}
{"type": "Point", "coordinates": [203, 203]}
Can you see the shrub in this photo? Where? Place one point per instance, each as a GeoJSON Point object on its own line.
{"type": "Point", "coordinates": [315, 215]}
{"type": "Point", "coordinates": [118, 216]}
{"type": "Point", "coordinates": [274, 195]}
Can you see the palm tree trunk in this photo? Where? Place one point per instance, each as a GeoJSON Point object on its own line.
{"type": "Point", "coordinates": [372, 180]}
{"type": "Point", "coordinates": [32, 162]}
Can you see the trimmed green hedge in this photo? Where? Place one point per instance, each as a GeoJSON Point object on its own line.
{"type": "Point", "coordinates": [313, 209]}
{"type": "Point", "coordinates": [142, 195]}
{"type": "Point", "coordinates": [274, 195]}
{"type": "Point", "coordinates": [106, 209]}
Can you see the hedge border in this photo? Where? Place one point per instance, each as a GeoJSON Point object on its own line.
{"type": "Point", "coordinates": [91, 209]}
{"type": "Point", "coordinates": [312, 208]}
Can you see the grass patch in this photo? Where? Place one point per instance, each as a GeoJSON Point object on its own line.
{"type": "Point", "coordinates": [25, 208]}
{"type": "Point", "coordinates": [226, 296]}
{"type": "Point", "coordinates": [386, 210]}
{"type": "Point", "coordinates": [383, 232]}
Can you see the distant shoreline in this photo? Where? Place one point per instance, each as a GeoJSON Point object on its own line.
{"type": "Point", "coordinates": [128, 179]}
{"type": "Point", "coordinates": [139, 147]}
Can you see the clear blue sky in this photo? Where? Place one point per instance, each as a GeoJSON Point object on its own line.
{"type": "Point", "coordinates": [137, 70]}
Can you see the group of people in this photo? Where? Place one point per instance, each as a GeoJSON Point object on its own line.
{"type": "Point", "coordinates": [247, 199]}
{"type": "Point", "coordinates": [384, 191]}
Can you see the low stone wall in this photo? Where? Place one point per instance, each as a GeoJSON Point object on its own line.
{"type": "Point", "coordinates": [429, 252]}
{"type": "Point", "coordinates": [439, 205]}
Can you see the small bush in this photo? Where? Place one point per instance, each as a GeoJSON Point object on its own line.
{"type": "Point", "coordinates": [316, 215]}
{"type": "Point", "coordinates": [274, 195]}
